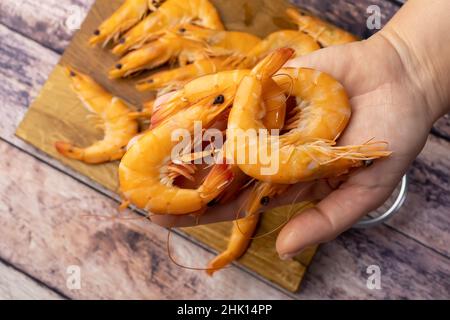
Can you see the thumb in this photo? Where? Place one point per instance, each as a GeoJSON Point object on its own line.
{"type": "Point", "coordinates": [332, 216]}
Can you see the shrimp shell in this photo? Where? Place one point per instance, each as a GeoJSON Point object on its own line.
{"type": "Point", "coordinates": [169, 14]}
{"type": "Point", "coordinates": [120, 128]}
{"type": "Point", "coordinates": [306, 152]}
{"type": "Point", "coordinates": [323, 32]}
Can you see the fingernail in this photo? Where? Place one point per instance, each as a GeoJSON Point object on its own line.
{"type": "Point", "coordinates": [289, 256]}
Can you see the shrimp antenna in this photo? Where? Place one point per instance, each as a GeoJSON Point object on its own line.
{"type": "Point", "coordinates": [172, 259]}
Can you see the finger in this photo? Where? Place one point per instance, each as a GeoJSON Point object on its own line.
{"type": "Point", "coordinates": [333, 215]}
{"type": "Point", "coordinates": [235, 209]}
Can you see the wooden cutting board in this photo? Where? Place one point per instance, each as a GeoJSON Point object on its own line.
{"type": "Point", "coordinates": [57, 114]}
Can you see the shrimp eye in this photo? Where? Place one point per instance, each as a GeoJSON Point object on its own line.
{"type": "Point", "coordinates": [72, 74]}
{"type": "Point", "coordinates": [182, 30]}
{"type": "Point", "coordinates": [119, 66]}
{"type": "Point", "coordinates": [219, 99]}
{"type": "Point", "coordinates": [150, 81]}
{"type": "Point", "coordinates": [122, 40]}
{"type": "Point", "coordinates": [265, 201]}
{"type": "Point", "coordinates": [368, 163]}
{"type": "Point", "coordinates": [97, 32]}
{"type": "Point", "coordinates": [212, 203]}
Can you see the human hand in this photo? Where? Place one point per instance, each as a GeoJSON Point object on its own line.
{"type": "Point", "coordinates": [389, 103]}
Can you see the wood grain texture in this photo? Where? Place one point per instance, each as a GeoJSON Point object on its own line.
{"type": "Point", "coordinates": [49, 223]}
{"type": "Point", "coordinates": [15, 285]}
{"type": "Point", "coordinates": [350, 15]}
{"type": "Point", "coordinates": [21, 82]}
{"type": "Point", "coordinates": [408, 270]}
{"type": "Point", "coordinates": [23, 79]}
{"type": "Point", "coordinates": [50, 22]}
{"type": "Point", "coordinates": [442, 127]}
{"type": "Point", "coordinates": [58, 115]}
{"type": "Point", "coordinates": [47, 228]}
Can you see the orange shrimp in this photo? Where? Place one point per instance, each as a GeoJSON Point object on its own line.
{"type": "Point", "coordinates": [175, 78]}
{"type": "Point", "coordinates": [120, 128]}
{"type": "Point", "coordinates": [297, 155]}
{"type": "Point", "coordinates": [169, 14]}
{"type": "Point", "coordinates": [243, 229]}
{"type": "Point", "coordinates": [301, 43]}
{"type": "Point", "coordinates": [143, 171]}
{"type": "Point", "coordinates": [124, 18]}
{"type": "Point", "coordinates": [168, 47]}
{"type": "Point", "coordinates": [188, 44]}
{"type": "Point", "coordinates": [323, 32]}
{"type": "Point", "coordinates": [222, 50]}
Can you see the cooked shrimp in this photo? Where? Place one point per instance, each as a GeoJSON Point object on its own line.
{"type": "Point", "coordinates": [238, 243]}
{"type": "Point", "coordinates": [323, 32]}
{"type": "Point", "coordinates": [124, 18]}
{"type": "Point", "coordinates": [168, 47]}
{"type": "Point", "coordinates": [118, 126]}
{"type": "Point", "coordinates": [243, 229]}
{"type": "Point", "coordinates": [143, 171]}
{"type": "Point", "coordinates": [301, 43]}
{"type": "Point", "coordinates": [195, 90]}
{"type": "Point", "coordinates": [175, 78]}
{"type": "Point", "coordinates": [169, 14]}
{"type": "Point", "coordinates": [187, 44]}
{"type": "Point", "coordinates": [323, 110]}
{"type": "Point", "coordinates": [223, 50]}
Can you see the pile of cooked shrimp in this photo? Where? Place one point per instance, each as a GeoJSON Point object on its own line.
{"type": "Point", "coordinates": [230, 81]}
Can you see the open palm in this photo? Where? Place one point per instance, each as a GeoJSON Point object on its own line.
{"type": "Point", "coordinates": [386, 106]}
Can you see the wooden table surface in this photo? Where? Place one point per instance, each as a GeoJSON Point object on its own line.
{"type": "Point", "coordinates": [43, 228]}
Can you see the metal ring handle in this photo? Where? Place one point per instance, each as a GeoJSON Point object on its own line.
{"type": "Point", "coordinates": [395, 207]}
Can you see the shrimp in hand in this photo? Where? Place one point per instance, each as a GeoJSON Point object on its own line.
{"type": "Point", "coordinates": [323, 110]}
{"type": "Point", "coordinates": [144, 173]}
{"type": "Point", "coordinates": [119, 127]}
{"type": "Point", "coordinates": [244, 228]}
{"type": "Point", "coordinates": [301, 43]}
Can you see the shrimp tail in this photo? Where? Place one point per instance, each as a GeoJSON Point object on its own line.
{"type": "Point", "coordinates": [241, 235]}
{"type": "Point", "coordinates": [220, 176]}
{"type": "Point", "coordinates": [272, 63]}
{"type": "Point", "coordinates": [69, 150]}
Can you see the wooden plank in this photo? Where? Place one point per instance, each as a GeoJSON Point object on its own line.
{"type": "Point", "coordinates": [44, 232]}
{"type": "Point", "coordinates": [48, 224]}
{"type": "Point", "coordinates": [58, 115]}
{"type": "Point", "coordinates": [408, 270]}
{"type": "Point", "coordinates": [22, 80]}
{"type": "Point", "coordinates": [51, 22]}
{"type": "Point", "coordinates": [442, 127]}
{"type": "Point", "coordinates": [349, 14]}
{"type": "Point", "coordinates": [423, 214]}
{"type": "Point", "coordinates": [10, 93]}
{"type": "Point", "coordinates": [15, 285]}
